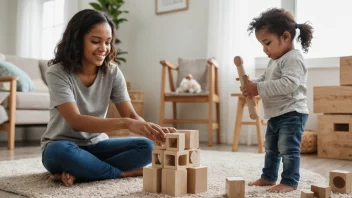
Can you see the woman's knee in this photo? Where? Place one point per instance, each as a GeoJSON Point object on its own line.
{"type": "Point", "coordinates": [60, 149]}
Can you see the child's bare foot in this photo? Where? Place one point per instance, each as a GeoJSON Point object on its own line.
{"type": "Point", "coordinates": [67, 179]}
{"type": "Point", "coordinates": [281, 188]}
{"type": "Point", "coordinates": [55, 177]}
{"type": "Point", "coordinates": [261, 182]}
{"type": "Point", "coordinates": [133, 173]}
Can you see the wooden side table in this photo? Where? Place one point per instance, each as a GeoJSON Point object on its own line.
{"type": "Point", "coordinates": [238, 125]}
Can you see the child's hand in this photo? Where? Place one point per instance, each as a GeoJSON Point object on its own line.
{"type": "Point", "coordinates": [250, 89]}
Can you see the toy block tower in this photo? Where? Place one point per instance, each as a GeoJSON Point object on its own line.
{"type": "Point", "coordinates": [341, 181]}
{"type": "Point", "coordinates": [178, 161]}
{"type": "Point", "coordinates": [335, 125]}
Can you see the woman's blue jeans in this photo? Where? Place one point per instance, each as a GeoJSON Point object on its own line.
{"type": "Point", "coordinates": [104, 160]}
{"type": "Point", "coordinates": [282, 140]}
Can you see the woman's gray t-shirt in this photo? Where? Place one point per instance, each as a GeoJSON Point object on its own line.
{"type": "Point", "coordinates": [93, 101]}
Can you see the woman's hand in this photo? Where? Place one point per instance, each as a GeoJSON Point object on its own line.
{"type": "Point", "coordinates": [150, 130]}
{"type": "Point", "coordinates": [250, 89]}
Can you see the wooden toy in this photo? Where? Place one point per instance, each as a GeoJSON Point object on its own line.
{"type": "Point", "coordinates": [235, 187]}
{"type": "Point", "coordinates": [197, 179]}
{"type": "Point", "coordinates": [152, 179]}
{"type": "Point", "coordinates": [341, 181]}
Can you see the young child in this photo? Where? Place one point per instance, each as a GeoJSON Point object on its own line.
{"type": "Point", "coordinates": [283, 90]}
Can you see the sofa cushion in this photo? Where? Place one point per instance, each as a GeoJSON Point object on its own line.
{"type": "Point", "coordinates": [31, 101]}
{"type": "Point", "coordinates": [28, 65]}
{"type": "Point", "coordinates": [24, 82]}
{"type": "Point", "coordinates": [32, 116]}
{"type": "Point", "coordinates": [3, 115]}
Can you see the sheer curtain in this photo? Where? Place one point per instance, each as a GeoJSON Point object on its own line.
{"type": "Point", "coordinates": [28, 36]}
{"type": "Point", "coordinates": [227, 38]}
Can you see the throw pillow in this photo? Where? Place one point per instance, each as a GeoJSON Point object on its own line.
{"type": "Point", "coordinates": [197, 67]}
{"type": "Point", "coordinates": [24, 82]}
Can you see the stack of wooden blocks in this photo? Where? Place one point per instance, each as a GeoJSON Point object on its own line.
{"type": "Point", "coordinates": [176, 169]}
{"type": "Point", "coordinates": [335, 126]}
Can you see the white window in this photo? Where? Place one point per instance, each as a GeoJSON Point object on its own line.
{"type": "Point", "coordinates": [331, 21]}
{"type": "Point", "coordinates": [256, 8]}
{"type": "Point", "coordinates": [52, 26]}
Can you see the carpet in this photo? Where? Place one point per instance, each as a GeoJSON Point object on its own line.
{"type": "Point", "coordinates": [29, 178]}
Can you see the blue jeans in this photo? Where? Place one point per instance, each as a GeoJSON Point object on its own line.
{"type": "Point", "coordinates": [104, 160]}
{"type": "Point", "coordinates": [282, 140]}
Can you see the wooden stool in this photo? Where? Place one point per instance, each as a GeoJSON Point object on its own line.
{"type": "Point", "coordinates": [238, 125]}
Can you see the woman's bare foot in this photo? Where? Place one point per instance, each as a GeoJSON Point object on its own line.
{"type": "Point", "coordinates": [261, 182]}
{"type": "Point", "coordinates": [132, 173]}
{"type": "Point", "coordinates": [67, 179]}
{"type": "Point", "coordinates": [281, 188]}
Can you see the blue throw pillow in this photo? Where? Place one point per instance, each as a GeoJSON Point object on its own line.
{"type": "Point", "coordinates": [24, 82]}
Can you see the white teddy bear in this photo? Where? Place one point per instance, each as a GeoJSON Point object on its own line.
{"type": "Point", "coordinates": [188, 84]}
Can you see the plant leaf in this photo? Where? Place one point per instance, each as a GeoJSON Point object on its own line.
{"type": "Point", "coordinates": [96, 6]}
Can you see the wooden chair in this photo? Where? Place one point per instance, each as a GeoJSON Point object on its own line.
{"type": "Point", "coordinates": [9, 126]}
{"type": "Point", "coordinates": [210, 97]}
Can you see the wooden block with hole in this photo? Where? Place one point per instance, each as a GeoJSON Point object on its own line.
{"type": "Point", "coordinates": [321, 191]}
{"type": "Point", "coordinates": [307, 194]}
{"type": "Point", "coordinates": [197, 179]}
{"type": "Point", "coordinates": [159, 145]}
{"type": "Point", "coordinates": [335, 136]}
{"type": "Point", "coordinates": [191, 138]}
{"type": "Point", "coordinates": [333, 99]}
{"type": "Point", "coordinates": [152, 179]}
{"type": "Point", "coordinates": [346, 70]}
{"type": "Point", "coordinates": [158, 158]}
{"type": "Point", "coordinates": [341, 181]}
{"type": "Point", "coordinates": [235, 187]}
{"type": "Point", "coordinates": [176, 159]}
{"type": "Point", "coordinates": [174, 182]}
{"type": "Point", "coordinates": [194, 157]}
{"type": "Point", "coordinates": [175, 141]}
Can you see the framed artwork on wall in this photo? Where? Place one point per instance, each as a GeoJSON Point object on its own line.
{"type": "Point", "coordinates": [167, 6]}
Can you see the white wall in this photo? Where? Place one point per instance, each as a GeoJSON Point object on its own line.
{"type": "Point", "coordinates": [149, 38]}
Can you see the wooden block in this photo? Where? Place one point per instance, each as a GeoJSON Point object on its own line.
{"type": "Point", "coordinates": [341, 181]}
{"type": "Point", "coordinates": [193, 157]}
{"type": "Point", "coordinates": [321, 191]}
{"type": "Point", "coordinates": [174, 182]}
{"type": "Point", "coordinates": [158, 158]}
{"type": "Point", "coordinates": [175, 141]}
{"type": "Point", "coordinates": [160, 145]}
{"type": "Point", "coordinates": [333, 99]}
{"type": "Point", "coordinates": [235, 187]}
{"type": "Point", "coordinates": [335, 145]}
{"type": "Point", "coordinates": [197, 179]}
{"type": "Point", "coordinates": [346, 70]}
{"type": "Point", "coordinates": [152, 179]}
{"type": "Point", "coordinates": [307, 194]}
{"type": "Point", "coordinates": [176, 159]}
{"type": "Point", "coordinates": [191, 138]}
{"type": "Point", "coordinates": [334, 123]}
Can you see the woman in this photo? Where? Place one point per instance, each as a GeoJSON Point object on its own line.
{"type": "Point", "coordinates": [81, 82]}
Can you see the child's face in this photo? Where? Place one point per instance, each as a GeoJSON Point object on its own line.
{"type": "Point", "coordinates": [96, 45]}
{"type": "Point", "coordinates": [274, 46]}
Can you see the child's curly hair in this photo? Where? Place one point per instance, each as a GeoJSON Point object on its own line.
{"type": "Point", "coordinates": [278, 21]}
{"type": "Point", "coordinates": [69, 50]}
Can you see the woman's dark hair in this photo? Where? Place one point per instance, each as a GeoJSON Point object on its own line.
{"type": "Point", "coordinates": [69, 50]}
{"type": "Point", "coordinates": [277, 21]}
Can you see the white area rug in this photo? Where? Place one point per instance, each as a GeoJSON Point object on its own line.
{"type": "Point", "coordinates": [28, 177]}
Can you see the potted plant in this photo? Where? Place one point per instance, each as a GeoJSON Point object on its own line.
{"type": "Point", "coordinates": [112, 8]}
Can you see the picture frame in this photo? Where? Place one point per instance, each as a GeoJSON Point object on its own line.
{"type": "Point", "coordinates": [168, 6]}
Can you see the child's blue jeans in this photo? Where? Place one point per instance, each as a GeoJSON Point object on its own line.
{"type": "Point", "coordinates": [282, 140]}
{"type": "Point", "coordinates": [104, 160]}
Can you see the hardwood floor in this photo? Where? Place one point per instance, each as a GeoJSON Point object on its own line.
{"type": "Point", "coordinates": [310, 162]}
